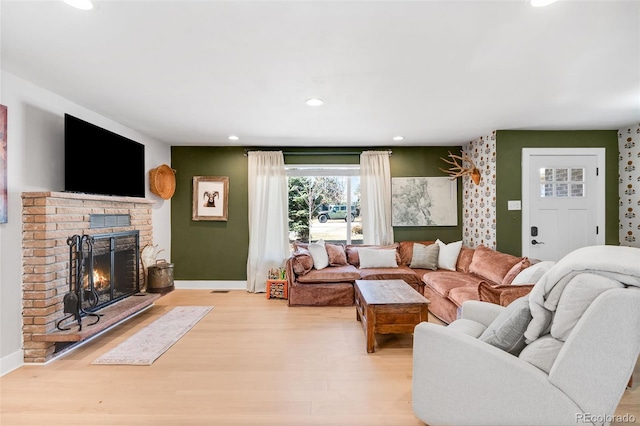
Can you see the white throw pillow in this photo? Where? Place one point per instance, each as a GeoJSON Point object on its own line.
{"type": "Point", "coordinates": [448, 255]}
{"type": "Point", "coordinates": [319, 254]}
{"type": "Point", "coordinates": [377, 258]}
{"type": "Point", "coordinates": [532, 274]}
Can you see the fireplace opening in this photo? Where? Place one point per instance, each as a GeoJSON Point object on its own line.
{"type": "Point", "coordinates": [113, 269]}
{"type": "Point", "coordinates": [103, 269]}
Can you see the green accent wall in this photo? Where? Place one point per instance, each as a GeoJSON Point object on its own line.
{"type": "Point", "coordinates": [206, 250]}
{"type": "Point", "coordinates": [422, 161]}
{"type": "Point", "coordinates": [509, 144]}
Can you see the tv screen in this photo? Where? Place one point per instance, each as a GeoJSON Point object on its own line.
{"type": "Point", "coordinates": [98, 161]}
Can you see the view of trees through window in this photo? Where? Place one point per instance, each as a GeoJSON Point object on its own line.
{"type": "Point", "coordinates": [319, 200]}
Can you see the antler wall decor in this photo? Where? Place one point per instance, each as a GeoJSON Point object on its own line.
{"type": "Point", "coordinates": [458, 170]}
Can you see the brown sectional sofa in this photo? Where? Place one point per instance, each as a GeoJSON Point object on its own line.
{"type": "Point", "coordinates": [447, 290]}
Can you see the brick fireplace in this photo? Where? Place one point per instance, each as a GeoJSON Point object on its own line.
{"type": "Point", "coordinates": [48, 220]}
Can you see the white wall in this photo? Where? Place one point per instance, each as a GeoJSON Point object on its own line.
{"type": "Point", "coordinates": [35, 151]}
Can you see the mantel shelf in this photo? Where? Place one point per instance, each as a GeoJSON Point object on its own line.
{"type": "Point", "coordinates": [110, 316]}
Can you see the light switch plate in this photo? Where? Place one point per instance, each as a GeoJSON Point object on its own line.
{"type": "Point", "coordinates": [514, 205]}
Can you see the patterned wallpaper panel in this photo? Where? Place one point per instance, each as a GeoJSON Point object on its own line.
{"type": "Point", "coordinates": [479, 201]}
{"type": "Point", "coordinates": [629, 189]}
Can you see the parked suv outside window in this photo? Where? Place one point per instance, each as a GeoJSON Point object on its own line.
{"type": "Point", "coordinates": [337, 212]}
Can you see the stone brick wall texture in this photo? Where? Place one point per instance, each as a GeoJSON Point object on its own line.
{"type": "Point", "coordinates": [48, 219]}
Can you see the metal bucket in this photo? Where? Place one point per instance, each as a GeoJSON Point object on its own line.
{"type": "Point", "coordinates": [160, 277]}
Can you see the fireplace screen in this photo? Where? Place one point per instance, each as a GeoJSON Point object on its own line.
{"type": "Point", "coordinates": [112, 271]}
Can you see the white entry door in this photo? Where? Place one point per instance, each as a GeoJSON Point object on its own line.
{"type": "Point", "coordinates": [563, 201]}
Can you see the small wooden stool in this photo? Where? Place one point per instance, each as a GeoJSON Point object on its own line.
{"type": "Point", "coordinates": [283, 283]}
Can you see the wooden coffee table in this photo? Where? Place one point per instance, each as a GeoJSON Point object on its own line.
{"type": "Point", "coordinates": [388, 307]}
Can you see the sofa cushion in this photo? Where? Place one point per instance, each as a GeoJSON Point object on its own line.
{"type": "Point", "coordinates": [459, 295]}
{"type": "Point", "coordinates": [402, 272]}
{"type": "Point", "coordinates": [377, 258]}
{"type": "Point", "coordinates": [319, 254]}
{"type": "Point", "coordinates": [336, 253]}
{"type": "Point", "coordinates": [441, 282]}
{"type": "Point", "coordinates": [464, 259]}
{"type": "Point", "coordinates": [468, 327]}
{"type": "Point", "coordinates": [542, 352]}
{"type": "Point", "coordinates": [334, 274]}
{"type": "Point", "coordinates": [515, 270]}
{"type": "Point", "coordinates": [507, 330]}
{"type": "Point", "coordinates": [425, 257]}
{"type": "Point", "coordinates": [492, 265]}
{"type": "Point", "coordinates": [353, 258]}
{"type": "Point", "coordinates": [405, 250]}
{"type": "Point", "coordinates": [301, 261]}
{"type": "Point", "coordinates": [448, 255]}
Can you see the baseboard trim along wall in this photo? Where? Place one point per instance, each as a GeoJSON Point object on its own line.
{"type": "Point", "coordinates": [210, 285]}
{"type": "Point", "coordinates": [11, 362]}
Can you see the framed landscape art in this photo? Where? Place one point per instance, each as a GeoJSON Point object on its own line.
{"type": "Point", "coordinates": [424, 201]}
{"type": "Point", "coordinates": [210, 198]}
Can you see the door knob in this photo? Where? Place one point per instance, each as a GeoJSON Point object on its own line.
{"type": "Point", "coordinates": [534, 242]}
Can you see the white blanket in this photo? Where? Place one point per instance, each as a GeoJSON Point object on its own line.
{"type": "Point", "coordinates": [616, 262]}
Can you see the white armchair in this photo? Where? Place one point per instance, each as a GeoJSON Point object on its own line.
{"type": "Point", "coordinates": [459, 379]}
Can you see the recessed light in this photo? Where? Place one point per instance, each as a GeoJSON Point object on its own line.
{"type": "Point", "coordinates": [314, 102]}
{"type": "Point", "coordinates": [233, 138]}
{"type": "Point", "coordinates": [541, 3]}
{"type": "Point", "coordinates": [398, 138]}
{"type": "Point", "coordinates": [80, 4]}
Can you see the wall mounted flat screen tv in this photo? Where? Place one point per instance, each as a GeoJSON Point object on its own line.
{"type": "Point", "coordinates": [98, 161]}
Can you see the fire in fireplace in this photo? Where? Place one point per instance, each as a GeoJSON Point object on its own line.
{"type": "Point", "coordinates": [103, 269]}
{"type": "Point", "coordinates": [114, 270]}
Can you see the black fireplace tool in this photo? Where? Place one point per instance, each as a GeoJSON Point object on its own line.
{"type": "Point", "coordinates": [73, 300]}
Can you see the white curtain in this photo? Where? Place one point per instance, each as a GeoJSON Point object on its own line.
{"type": "Point", "coordinates": [375, 191]}
{"type": "Point", "coordinates": [268, 217]}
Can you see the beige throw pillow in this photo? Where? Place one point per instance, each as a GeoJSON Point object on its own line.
{"type": "Point", "coordinates": [425, 257]}
{"type": "Point", "coordinates": [377, 258]}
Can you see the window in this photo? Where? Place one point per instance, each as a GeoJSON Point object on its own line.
{"type": "Point", "coordinates": [562, 182]}
{"type": "Point", "coordinates": [319, 198]}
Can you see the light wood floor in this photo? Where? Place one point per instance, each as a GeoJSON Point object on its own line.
{"type": "Point", "coordinates": [250, 361]}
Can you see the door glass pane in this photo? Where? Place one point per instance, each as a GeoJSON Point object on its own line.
{"type": "Point", "coordinates": [546, 175]}
{"type": "Point", "coordinates": [577, 190]}
{"type": "Point", "coordinates": [546, 190]}
{"type": "Point", "coordinates": [562, 190]}
{"type": "Point", "coordinates": [562, 175]}
{"type": "Point", "coordinates": [577, 175]}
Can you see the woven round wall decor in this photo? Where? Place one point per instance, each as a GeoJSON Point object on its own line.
{"type": "Point", "coordinates": [162, 181]}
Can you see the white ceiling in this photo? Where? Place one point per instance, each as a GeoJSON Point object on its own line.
{"type": "Point", "coordinates": [436, 72]}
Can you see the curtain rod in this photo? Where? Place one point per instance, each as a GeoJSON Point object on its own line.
{"type": "Point", "coordinates": [311, 153]}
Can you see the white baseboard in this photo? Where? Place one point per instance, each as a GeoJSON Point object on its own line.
{"type": "Point", "coordinates": [11, 362]}
{"type": "Point", "coordinates": [210, 285]}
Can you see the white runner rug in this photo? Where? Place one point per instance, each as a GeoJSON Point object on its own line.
{"type": "Point", "coordinates": [144, 347]}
